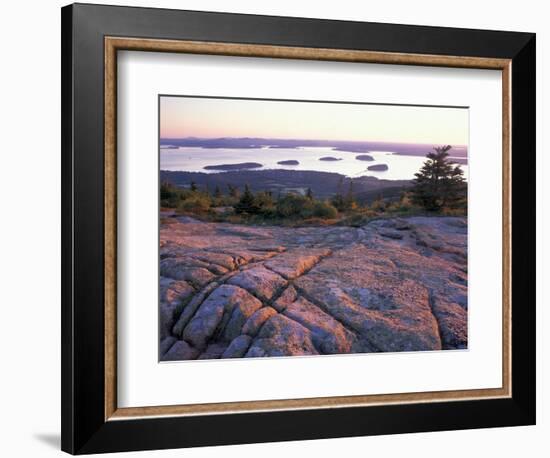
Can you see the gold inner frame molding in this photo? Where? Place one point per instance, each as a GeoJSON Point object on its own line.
{"type": "Point", "coordinates": [114, 44]}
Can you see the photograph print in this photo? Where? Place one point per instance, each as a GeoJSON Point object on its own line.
{"type": "Point", "coordinates": [310, 228]}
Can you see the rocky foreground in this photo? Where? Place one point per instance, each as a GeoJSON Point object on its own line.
{"type": "Point", "coordinates": [231, 291]}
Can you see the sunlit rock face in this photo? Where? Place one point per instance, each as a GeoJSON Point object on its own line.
{"type": "Point", "coordinates": [235, 291]}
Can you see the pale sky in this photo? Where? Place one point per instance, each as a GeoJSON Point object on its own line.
{"type": "Point", "coordinates": [213, 117]}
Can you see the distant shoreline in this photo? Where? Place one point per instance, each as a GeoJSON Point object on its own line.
{"type": "Point", "coordinates": [406, 149]}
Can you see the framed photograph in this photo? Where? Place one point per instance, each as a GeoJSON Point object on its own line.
{"type": "Point", "coordinates": [282, 228]}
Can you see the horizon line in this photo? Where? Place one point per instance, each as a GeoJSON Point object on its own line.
{"type": "Point", "coordinates": [307, 139]}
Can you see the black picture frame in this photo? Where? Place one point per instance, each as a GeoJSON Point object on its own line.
{"type": "Point", "coordinates": [84, 428]}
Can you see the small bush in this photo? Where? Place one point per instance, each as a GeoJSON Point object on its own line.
{"type": "Point", "coordinates": [264, 202]}
{"type": "Point", "coordinates": [169, 195]}
{"type": "Point", "coordinates": [254, 204]}
{"type": "Point", "coordinates": [324, 210]}
{"type": "Point", "coordinates": [293, 205]}
{"type": "Point", "coordinates": [224, 201]}
{"type": "Point", "coordinates": [196, 202]}
{"type": "Point", "coordinates": [379, 205]}
{"type": "Point", "coordinates": [445, 211]}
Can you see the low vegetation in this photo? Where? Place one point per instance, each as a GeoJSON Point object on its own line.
{"type": "Point", "coordinates": [438, 189]}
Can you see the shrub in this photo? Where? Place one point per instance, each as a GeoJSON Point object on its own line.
{"type": "Point", "coordinates": [292, 205]}
{"type": "Point", "coordinates": [264, 202]}
{"type": "Point", "coordinates": [379, 205]}
{"type": "Point", "coordinates": [324, 210]}
{"type": "Point", "coordinates": [196, 202]}
{"type": "Point", "coordinates": [224, 201]}
{"type": "Point", "coordinates": [170, 195]}
{"type": "Point", "coordinates": [403, 205]}
{"type": "Point", "coordinates": [359, 218]}
{"type": "Point", "coordinates": [454, 211]}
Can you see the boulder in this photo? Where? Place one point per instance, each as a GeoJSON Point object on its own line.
{"type": "Point", "coordinates": [257, 319]}
{"type": "Point", "coordinates": [191, 307]}
{"type": "Point", "coordinates": [281, 336]}
{"type": "Point", "coordinates": [295, 262]}
{"type": "Point", "coordinates": [238, 347]}
{"type": "Point", "coordinates": [165, 344]}
{"type": "Point", "coordinates": [261, 282]}
{"type": "Point", "coordinates": [181, 350]}
{"type": "Point", "coordinates": [287, 297]}
{"type": "Point", "coordinates": [391, 234]}
{"type": "Point", "coordinates": [175, 292]}
{"type": "Point", "coordinates": [210, 313]}
{"type": "Point", "coordinates": [328, 335]}
{"type": "Point", "coordinates": [243, 309]}
{"type": "Point", "coordinates": [213, 351]}
{"type": "Point", "coordinates": [173, 296]}
{"type": "Point", "coordinates": [166, 319]}
{"type": "Point", "coordinates": [185, 269]}
{"type": "Point", "coordinates": [453, 323]}
{"type": "Point", "coordinates": [221, 259]}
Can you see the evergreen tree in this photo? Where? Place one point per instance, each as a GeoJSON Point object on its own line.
{"type": "Point", "coordinates": [338, 199]}
{"type": "Point", "coordinates": [309, 194]}
{"type": "Point", "coordinates": [217, 192]}
{"type": "Point", "coordinates": [246, 203]}
{"type": "Point", "coordinates": [194, 186]}
{"type": "Point", "coordinates": [349, 201]}
{"type": "Point", "coordinates": [233, 191]}
{"type": "Point", "coordinates": [439, 183]}
{"type": "Point", "coordinates": [167, 191]}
